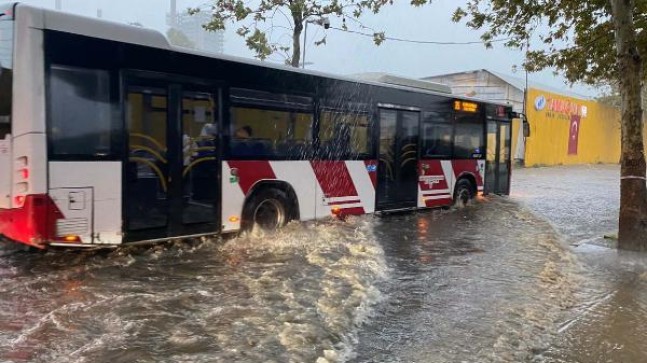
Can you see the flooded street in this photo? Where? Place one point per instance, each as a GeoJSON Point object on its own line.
{"type": "Point", "coordinates": [607, 324]}
{"type": "Point", "coordinates": [298, 296]}
{"type": "Point", "coordinates": [520, 279]}
{"type": "Point", "coordinates": [483, 284]}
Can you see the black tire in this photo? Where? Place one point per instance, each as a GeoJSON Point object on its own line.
{"type": "Point", "coordinates": [267, 209]}
{"type": "Point", "coordinates": [463, 192]}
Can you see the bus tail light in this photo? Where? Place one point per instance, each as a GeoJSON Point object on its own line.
{"type": "Point", "coordinates": [72, 239]}
{"type": "Point", "coordinates": [19, 200]}
{"type": "Point", "coordinates": [21, 184]}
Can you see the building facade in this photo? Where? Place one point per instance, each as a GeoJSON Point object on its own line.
{"type": "Point", "coordinates": [191, 26]}
{"type": "Point", "coordinates": [565, 128]}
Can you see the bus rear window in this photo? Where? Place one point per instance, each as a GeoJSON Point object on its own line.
{"type": "Point", "coordinates": [6, 69]}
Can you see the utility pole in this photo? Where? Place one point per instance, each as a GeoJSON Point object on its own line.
{"type": "Point", "coordinates": [59, 4]}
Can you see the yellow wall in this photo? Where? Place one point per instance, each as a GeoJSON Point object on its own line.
{"type": "Point", "coordinates": [599, 134]}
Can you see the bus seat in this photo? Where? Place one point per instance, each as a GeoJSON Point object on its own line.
{"type": "Point", "coordinates": [262, 147]}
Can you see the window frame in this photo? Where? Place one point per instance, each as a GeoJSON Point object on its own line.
{"type": "Point", "coordinates": [477, 119]}
{"type": "Point", "coordinates": [268, 105]}
{"type": "Point", "coordinates": [450, 122]}
{"type": "Point", "coordinates": [370, 133]}
{"type": "Point", "coordinates": [116, 123]}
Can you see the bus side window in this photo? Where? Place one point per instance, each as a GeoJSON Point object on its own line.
{"type": "Point", "coordinates": [437, 135]}
{"type": "Point", "coordinates": [80, 112]}
{"type": "Point", "coordinates": [468, 138]}
{"type": "Point", "coordinates": [257, 132]}
{"type": "Point", "coordinates": [345, 135]}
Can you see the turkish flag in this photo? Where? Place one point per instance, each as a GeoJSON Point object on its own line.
{"type": "Point", "coordinates": [574, 134]}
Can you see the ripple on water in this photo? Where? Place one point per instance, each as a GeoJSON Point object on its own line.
{"type": "Point", "coordinates": [296, 295]}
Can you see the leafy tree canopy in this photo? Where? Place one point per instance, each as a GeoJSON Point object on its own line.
{"type": "Point", "coordinates": [256, 20]}
{"type": "Point", "coordinates": [577, 36]}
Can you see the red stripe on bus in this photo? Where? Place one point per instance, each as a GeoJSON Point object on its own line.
{"type": "Point", "coordinates": [432, 170]}
{"type": "Point", "coordinates": [439, 202]}
{"type": "Point", "coordinates": [465, 167]}
{"type": "Point", "coordinates": [334, 178]}
{"type": "Point", "coordinates": [250, 172]}
{"type": "Point", "coordinates": [353, 211]}
{"type": "Point", "coordinates": [342, 204]}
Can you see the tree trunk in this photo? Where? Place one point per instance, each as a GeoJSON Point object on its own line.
{"type": "Point", "coordinates": [296, 39]}
{"type": "Point", "coordinates": [632, 227]}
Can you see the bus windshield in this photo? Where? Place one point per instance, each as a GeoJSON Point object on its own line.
{"type": "Point", "coordinates": [6, 68]}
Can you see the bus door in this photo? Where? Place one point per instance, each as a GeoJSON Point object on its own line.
{"type": "Point", "coordinates": [172, 171]}
{"type": "Point", "coordinates": [498, 162]}
{"type": "Point", "coordinates": [397, 186]}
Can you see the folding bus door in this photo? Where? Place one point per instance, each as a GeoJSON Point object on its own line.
{"type": "Point", "coordinates": [172, 171]}
{"type": "Point", "coordinates": [397, 186]}
{"type": "Point", "coordinates": [498, 161]}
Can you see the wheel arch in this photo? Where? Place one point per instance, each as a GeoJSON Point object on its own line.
{"type": "Point", "coordinates": [281, 185]}
{"type": "Point", "coordinates": [471, 178]}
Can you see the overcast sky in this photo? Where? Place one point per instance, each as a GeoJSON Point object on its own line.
{"type": "Point", "coordinates": [347, 53]}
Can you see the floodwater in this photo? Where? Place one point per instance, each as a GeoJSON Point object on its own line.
{"type": "Point", "coordinates": [487, 283]}
{"type": "Point", "coordinates": [608, 322]}
{"type": "Point", "coordinates": [298, 296]}
{"type": "Point", "coordinates": [519, 279]}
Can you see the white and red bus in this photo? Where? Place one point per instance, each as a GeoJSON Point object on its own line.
{"type": "Point", "coordinates": [110, 135]}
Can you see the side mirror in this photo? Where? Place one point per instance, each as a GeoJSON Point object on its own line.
{"type": "Point", "coordinates": [526, 128]}
{"type": "Point", "coordinates": [524, 122]}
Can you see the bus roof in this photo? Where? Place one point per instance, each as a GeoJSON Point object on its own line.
{"type": "Point", "coordinates": [42, 18]}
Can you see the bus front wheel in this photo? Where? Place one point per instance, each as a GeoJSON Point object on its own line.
{"type": "Point", "coordinates": [267, 210]}
{"type": "Point", "coordinates": [463, 192]}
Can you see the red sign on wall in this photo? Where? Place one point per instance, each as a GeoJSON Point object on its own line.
{"type": "Point", "coordinates": [574, 134]}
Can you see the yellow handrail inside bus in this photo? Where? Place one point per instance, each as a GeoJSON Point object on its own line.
{"type": "Point", "coordinates": [414, 152]}
{"type": "Point", "coordinates": [405, 161]}
{"type": "Point", "coordinates": [200, 138]}
{"type": "Point", "coordinates": [194, 163]}
{"type": "Point", "coordinates": [149, 138]}
{"type": "Point", "coordinates": [201, 148]}
{"type": "Point", "coordinates": [146, 148]}
{"type": "Point", "coordinates": [409, 145]}
{"type": "Point", "coordinates": [155, 168]}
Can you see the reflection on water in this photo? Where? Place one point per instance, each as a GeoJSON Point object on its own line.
{"type": "Point", "coordinates": [484, 283]}
{"type": "Point", "coordinates": [608, 322]}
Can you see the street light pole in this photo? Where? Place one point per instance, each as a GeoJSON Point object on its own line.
{"type": "Point", "coordinates": [305, 41]}
{"type": "Point", "coordinates": [324, 22]}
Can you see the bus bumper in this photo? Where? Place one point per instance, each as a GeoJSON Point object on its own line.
{"type": "Point", "coordinates": [33, 224]}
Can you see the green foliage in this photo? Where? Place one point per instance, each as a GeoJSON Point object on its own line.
{"type": "Point", "coordinates": [577, 36]}
{"type": "Point", "coordinates": [256, 20]}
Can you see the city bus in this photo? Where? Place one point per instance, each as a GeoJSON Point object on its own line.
{"type": "Point", "coordinates": [110, 135]}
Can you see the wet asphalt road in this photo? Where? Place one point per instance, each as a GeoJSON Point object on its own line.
{"type": "Point", "coordinates": [519, 279]}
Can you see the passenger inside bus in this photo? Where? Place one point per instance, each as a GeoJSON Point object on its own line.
{"type": "Point", "coordinates": [244, 144]}
{"type": "Point", "coordinates": [244, 132]}
{"type": "Point", "coordinates": [206, 142]}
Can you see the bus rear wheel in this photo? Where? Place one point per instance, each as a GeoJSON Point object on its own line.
{"type": "Point", "coordinates": [268, 210]}
{"type": "Point", "coordinates": [463, 192]}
